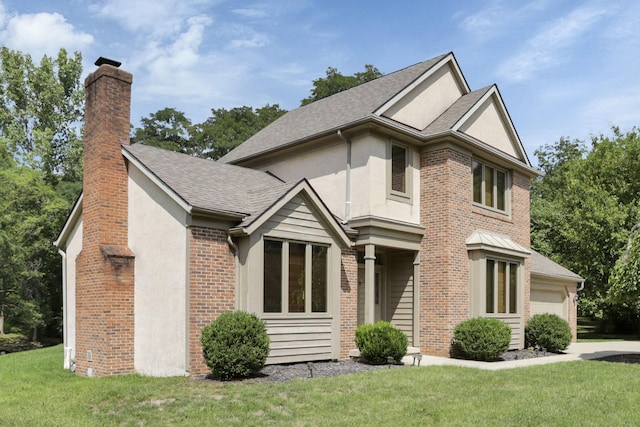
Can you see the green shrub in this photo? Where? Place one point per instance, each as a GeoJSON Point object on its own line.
{"type": "Point", "coordinates": [235, 345]}
{"type": "Point", "coordinates": [379, 341]}
{"type": "Point", "coordinates": [482, 338]}
{"type": "Point", "coordinates": [548, 331]}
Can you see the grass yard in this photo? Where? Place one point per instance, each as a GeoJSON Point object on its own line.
{"type": "Point", "coordinates": [36, 391]}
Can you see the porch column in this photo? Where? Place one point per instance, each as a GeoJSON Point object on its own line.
{"type": "Point", "coordinates": [369, 282]}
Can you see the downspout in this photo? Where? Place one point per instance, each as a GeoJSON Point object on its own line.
{"type": "Point", "coordinates": [232, 245]}
{"type": "Point", "coordinates": [234, 249]}
{"type": "Point", "coordinates": [347, 202]}
{"type": "Point", "coordinates": [67, 350]}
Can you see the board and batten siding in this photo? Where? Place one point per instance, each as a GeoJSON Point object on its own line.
{"type": "Point", "coordinates": [301, 337]}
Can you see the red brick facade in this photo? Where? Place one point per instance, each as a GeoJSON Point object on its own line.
{"type": "Point", "coordinates": [105, 266]}
{"type": "Point", "coordinates": [348, 301]}
{"type": "Point", "coordinates": [212, 286]}
{"type": "Point", "coordinates": [449, 217]}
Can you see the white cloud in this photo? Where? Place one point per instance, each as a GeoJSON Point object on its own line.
{"type": "Point", "coordinates": [158, 17]}
{"type": "Point", "coordinates": [41, 33]}
{"type": "Point", "coordinates": [550, 47]}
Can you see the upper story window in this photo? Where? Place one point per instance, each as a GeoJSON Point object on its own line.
{"type": "Point", "coordinates": [398, 172]}
{"type": "Point", "coordinates": [295, 277]}
{"type": "Point", "coordinates": [398, 169]}
{"type": "Point", "coordinates": [490, 186]}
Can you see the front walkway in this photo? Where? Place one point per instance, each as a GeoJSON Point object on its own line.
{"type": "Point", "coordinates": [576, 351]}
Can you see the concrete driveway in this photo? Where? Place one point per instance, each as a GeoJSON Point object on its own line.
{"type": "Point", "coordinates": [576, 351]}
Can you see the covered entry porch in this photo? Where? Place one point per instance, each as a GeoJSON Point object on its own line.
{"type": "Point", "coordinates": [388, 275]}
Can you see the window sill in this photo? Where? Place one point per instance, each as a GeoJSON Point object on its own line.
{"type": "Point", "coordinates": [490, 212]}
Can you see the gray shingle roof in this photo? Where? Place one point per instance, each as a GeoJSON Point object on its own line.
{"type": "Point", "coordinates": [454, 113]}
{"type": "Point", "coordinates": [331, 113]}
{"type": "Point", "coordinates": [540, 264]}
{"type": "Point", "coordinates": [210, 185]}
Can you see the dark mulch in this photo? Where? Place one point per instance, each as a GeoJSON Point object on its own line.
{"type": "Point", "coordinates": [288, 372]}
{"type": "Point", "coordinates": [621, 358]}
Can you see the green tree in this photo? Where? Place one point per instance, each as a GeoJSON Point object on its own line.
{"type": "Point", "coordinates": [41, 109]}
{"type": "Point", "coordinates": [31, 215]}
{"type": "Point", "coordinates": [582, 209]}
{"type": "Point", "coordinates": [335, 82]}
{"type": "Point", "coordinates": [226, 129]}
{"type": "Point", "coordinates": [167, 128]}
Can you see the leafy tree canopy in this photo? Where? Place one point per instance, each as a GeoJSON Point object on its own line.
{"type": "Point", "coordinates": [335, 82]}
{"type": "Point", "coordinates": [167, 128]}
{"type": "Point", "coordinates": [582, 211]}
{"type": "Point", "coordinates": [41, 109]}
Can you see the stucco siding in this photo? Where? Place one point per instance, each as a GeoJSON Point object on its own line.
{"type": "Point", "coordinates": [74, 246]}
{"type": "Point", "coordinates": [488, 125]}
{"type": "Point", "coordinates": [428, 100]}
{"type": "Point", "coordinates": [157, 235]}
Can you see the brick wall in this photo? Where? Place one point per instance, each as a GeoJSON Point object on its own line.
{"type": "Point", "coordinates": [348, 301]}
{"type": "Point", "coordinates": [449, 217]}
{"type": "Point", "coordinates": [212, 285]}
{"type": "Point", "coordinates": [105, 266]}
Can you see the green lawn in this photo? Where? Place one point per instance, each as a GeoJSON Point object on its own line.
{"type": "Point", "coordinates": [36, 391]}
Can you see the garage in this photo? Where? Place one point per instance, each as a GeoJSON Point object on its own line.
{"type": "Point", "coordinates": [549, 301]}
{"type": "Point", "coordinates": [554, 289]}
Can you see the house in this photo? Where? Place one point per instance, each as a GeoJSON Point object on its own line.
{"type": "Point", "coordinates": [404, 199]}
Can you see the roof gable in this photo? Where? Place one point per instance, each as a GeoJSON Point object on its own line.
{"type": "Point", "coordinates": [423, 101]}
{"type": "Point", "coordinates": [298, 193]}
{"type": "Point", "coordinates": [488, 121]}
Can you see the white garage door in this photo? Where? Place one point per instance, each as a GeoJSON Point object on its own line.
{"type": "Point", "coordinates": [547, 301]}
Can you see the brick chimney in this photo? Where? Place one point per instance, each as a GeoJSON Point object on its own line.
{"type": "Point", "coordinates": [105, 266]}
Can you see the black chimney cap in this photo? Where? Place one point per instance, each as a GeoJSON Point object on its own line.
{"type": "Point", "coordinates": [102, 61]}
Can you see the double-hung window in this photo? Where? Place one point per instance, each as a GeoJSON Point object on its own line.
{"type": "Point", "coordinates": [295, 277]}
{"type": "Point", "coordinates": [490, 186]}
{"type": "Point", "coordinates": [501, 287]}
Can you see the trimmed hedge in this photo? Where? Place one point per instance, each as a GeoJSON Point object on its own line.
{"type": "Point", "coordinates": [235, 345]}
{"type": "Point", "coordinates": [548, 331]}
{"type": "Point", "coordinates": [482, 338]}
{"type": "Point", "coordinates": [381, 340]}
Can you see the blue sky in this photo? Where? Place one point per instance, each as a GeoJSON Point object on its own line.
{"type": "Point", "coordinates": [564, 68]}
